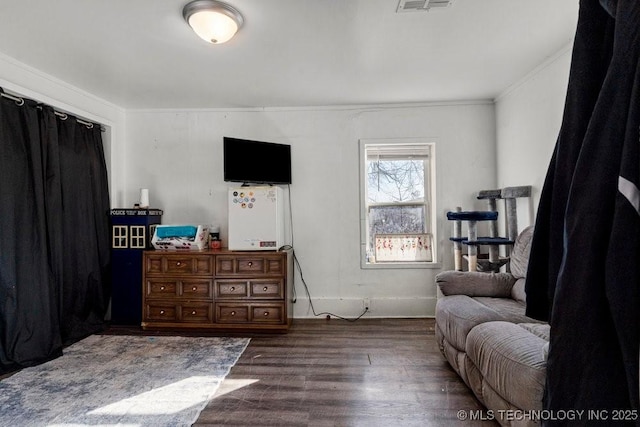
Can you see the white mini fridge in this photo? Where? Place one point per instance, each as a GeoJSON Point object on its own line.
{"type": "Point", "coordinates": [256, 218]}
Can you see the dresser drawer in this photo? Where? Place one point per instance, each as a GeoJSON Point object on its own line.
{"type": "Point", "coordinates": [195, 288]}
{"type": "Point", "coordinates": [249, 312]}
{"type": "Point", "coordinates": [252, 288]}
{"type": "Point", "coordinates": [267, 288]}
{"type": "Point", "coordinates": [185, 264]}
{"type": "Point", "coordinates": [159, 288]}
{"type": "Point", "coordinates": [267, 313]}
{"type": "Point", "coordinates": [247, 265]}
{"type": "Point", "coordinates": [167, 311]}
{"type": "Point", "coordinates": [231, 288]}
{"type": "Point", "coordinates": [232, 313]}
{"type": "Point", "coordinates": [194, 312]}
{"type": "Point", "coordinates": [187, 288]}
{"type": "Point", "coordinates": [160, 312]}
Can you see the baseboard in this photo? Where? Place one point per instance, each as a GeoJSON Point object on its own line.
{"type": "Point", "coordinates": [354, 307]}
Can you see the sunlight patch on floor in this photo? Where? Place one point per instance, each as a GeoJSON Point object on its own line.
{"type": "Point", "coordinates": [169, 399]}
{"type": "Point", "coordinates": [229, 385]}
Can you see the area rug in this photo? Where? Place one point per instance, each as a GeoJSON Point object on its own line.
{"type": "Point", "coordinates": [107, 380]}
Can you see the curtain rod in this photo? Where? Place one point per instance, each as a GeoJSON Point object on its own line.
{"type": "Point", "coordinates": [63, 116]}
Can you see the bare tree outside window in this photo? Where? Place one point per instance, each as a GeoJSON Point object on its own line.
{"type": "Point", "coordinates": [395, 180]}
{"type": "Point", "coordinates": [396, 196]}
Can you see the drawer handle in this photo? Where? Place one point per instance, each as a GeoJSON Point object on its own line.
{"type": "Point", "coordinates": [250, 263]}
{"type": "Point", "coordinates": [161, 311]}
{"type": "Point", "coordinates": [265, 289]}
{"type": "Point", "coordinates": [266, 313]}
{"type": "Point", "coordinates": [233, 288]}
{"type": "Point", "coordinates": [193, 312]}
{"type": "Point", "coordinates": [178, 264]}
{"type": "Point", "coordinates": [195, 288]}
{"type": "Point", "coordinates": [233, 313]}
{"type": "Point", "coordinates": [162, 288]}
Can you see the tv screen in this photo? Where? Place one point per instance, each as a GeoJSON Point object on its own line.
{"type": "Point", "coordinates": [256, 162]}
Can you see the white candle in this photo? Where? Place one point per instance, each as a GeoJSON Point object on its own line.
{"type": "Point", "coordinates": [144, 197]}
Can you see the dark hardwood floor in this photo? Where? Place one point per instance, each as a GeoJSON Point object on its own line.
{"type": "Point", "coordinates": [373, 372]}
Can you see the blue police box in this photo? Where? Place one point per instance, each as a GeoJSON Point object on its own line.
{"type": "Point", "coordinates": [131, 232]}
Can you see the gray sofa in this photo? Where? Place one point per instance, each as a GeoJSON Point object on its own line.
{"type": "Point", "coordinates": [484, 334]}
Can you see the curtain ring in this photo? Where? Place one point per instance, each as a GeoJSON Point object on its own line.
{"type": "Point", "coordinates": [18, 100]}
{"type": "Point", "coordinates": [63, 116]}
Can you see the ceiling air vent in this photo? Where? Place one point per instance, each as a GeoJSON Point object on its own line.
{"type": "Point", "coordinates": [422, 5]}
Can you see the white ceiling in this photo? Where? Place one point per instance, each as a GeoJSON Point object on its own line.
{"type": "Point", "coordinates": [141, 54]}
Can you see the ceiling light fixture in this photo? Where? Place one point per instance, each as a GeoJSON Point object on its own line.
{"type": "Point", "coordinates": [213, 21]}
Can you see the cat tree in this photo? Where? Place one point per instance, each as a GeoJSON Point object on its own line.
{"type": "Point", "coordinates": [493, 242]}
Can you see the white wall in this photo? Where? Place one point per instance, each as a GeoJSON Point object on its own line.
{"type": "Point", "coordinates": [528, 119]}
{"type": "Point", "coordinates": [178, 156]}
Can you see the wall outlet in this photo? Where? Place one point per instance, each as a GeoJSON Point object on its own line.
{"type": "Point", "coordinates": [366, 304]}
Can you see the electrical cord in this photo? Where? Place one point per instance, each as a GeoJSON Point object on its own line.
{"type": "Point", "coordinates": [297, 265]}
{"type": "Point", "coordinates": [306, 288]}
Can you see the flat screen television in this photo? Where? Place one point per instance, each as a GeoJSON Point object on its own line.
{"type": "Point", "coordinates": [256, 162]}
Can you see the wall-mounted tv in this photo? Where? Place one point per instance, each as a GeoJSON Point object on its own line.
{"type": "Point", "coordinates": [256, 162]}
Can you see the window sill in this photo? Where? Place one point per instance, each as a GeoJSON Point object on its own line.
{"type": "Point", "coordinates": [400, 265]}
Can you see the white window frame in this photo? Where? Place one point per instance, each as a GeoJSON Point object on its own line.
{"type": "Point", "coordinates": [120, 237]}
{"type": "Point", "coordinates": [430, 204]}
{"type": "Point", "coordinates": [138, 237]}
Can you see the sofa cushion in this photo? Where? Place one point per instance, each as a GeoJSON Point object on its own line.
{"type": "Point", "coordinates": [510, 310]}
{"type": "Point", "coordinates": [475, 283]}
{"type": "Point", "coordinates": [456, 315]}
{"type": "Point", "coordinates": [510, 359]}
{"type": "Point", "coordinates": [519, 258]}
{"type": "Point", "coordinates": [542, 330]}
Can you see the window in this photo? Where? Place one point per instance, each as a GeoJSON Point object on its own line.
{"type": "Point", "coordinates": [119, 237]}
{"type": "Point", "coordinates": [397, 214]}
{"type": "Point", "coordinates": [138, 238]}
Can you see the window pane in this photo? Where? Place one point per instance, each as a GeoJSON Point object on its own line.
{"type": "Point", "coordinates": [395, 180]}
{"type": "Point", "coordinates": [396, 220]}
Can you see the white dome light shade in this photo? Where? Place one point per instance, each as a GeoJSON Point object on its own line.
{"type": "Point", "coordinates": [213, 21]}
{"type": "Point", "coordinates": [213, 27]}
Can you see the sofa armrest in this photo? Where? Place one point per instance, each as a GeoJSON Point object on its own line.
{"type": "Point", "coordinates": [475, 283]}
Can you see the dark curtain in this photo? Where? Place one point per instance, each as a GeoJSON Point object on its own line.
{"type": "Point", "coordinates": [583, 274]}
{"type": "Point", "coordinates": [54, 248]}
{"type": "Point", "coordinates": [84, 225]}
{"type": "Point", "coordinates": [29, 310]}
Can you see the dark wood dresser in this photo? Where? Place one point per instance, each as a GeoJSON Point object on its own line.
{"type": "Point", "coordinates": [233, 290]}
